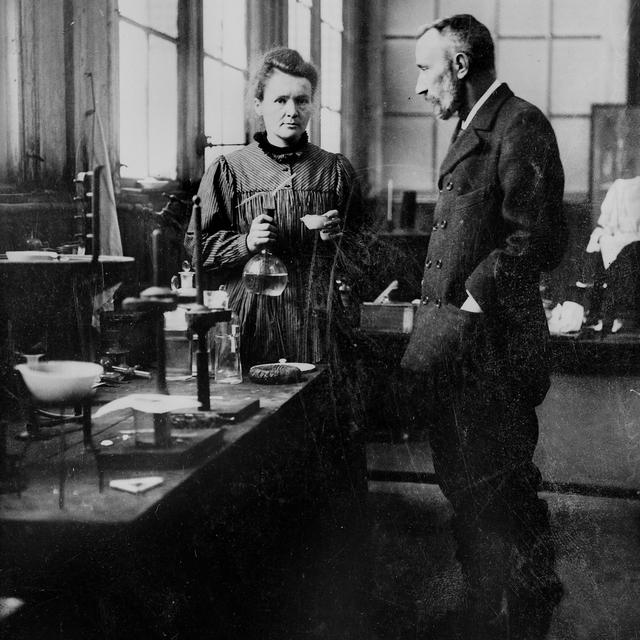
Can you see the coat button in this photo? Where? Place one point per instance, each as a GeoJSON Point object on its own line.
{"type": "Point", "coordinates": [425, 300]}
{"type": "Point", "coordinates": [435, 225]}
{"type": "Point", "coordinates": [443, 224]}
{"type": "Point", "coordinates": [439, 264]}
{"type": "Point", "coordinates": [438, 302]}
{"type": "Point", "coordinates": [449, 185]}
{"type": "Point", "coordinates": [427, 264]}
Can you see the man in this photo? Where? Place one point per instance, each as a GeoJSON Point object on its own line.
{"type": "Point", "coordinates": [479, 338]}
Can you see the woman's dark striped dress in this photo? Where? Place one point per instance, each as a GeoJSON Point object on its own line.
{"type": "Point", "coordinates": [305, 323]}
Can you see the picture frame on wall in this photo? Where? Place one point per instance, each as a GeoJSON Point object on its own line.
{"type": "Point", "coordinates": [615, 149]}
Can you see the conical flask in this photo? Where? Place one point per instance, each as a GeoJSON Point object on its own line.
{"type": "Point", "coordinates": [265, 274]}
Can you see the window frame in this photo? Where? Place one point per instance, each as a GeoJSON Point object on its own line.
{"type": "Point", "coordinates": [191, 135]}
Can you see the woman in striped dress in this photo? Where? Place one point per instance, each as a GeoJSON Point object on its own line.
{"type": "Point", "coordinates": [307, 322]}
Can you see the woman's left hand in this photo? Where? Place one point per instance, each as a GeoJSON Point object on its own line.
{"type": "Point", "coordinates": [333, 225]}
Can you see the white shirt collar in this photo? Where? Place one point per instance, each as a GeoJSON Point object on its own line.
{"type": "Point", "coordinates": [476, 107]}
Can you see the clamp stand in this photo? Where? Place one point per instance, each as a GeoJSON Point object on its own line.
{"type": "Point", "coordinates": [155, 301]}
{"type": "Point", "coordinates": [199, 317]}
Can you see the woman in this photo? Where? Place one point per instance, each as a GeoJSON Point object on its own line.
{"type": "Point", "coordinates": [305, 323]}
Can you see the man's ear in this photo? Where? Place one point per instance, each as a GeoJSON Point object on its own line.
{"type": "Point", "coordinates": [257, 105]}
{"type": "Point", "coordinates": [461, 64]}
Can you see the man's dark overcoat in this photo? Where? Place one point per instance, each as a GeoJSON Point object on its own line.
{"type": "Point", "coordinates": [497, 224]}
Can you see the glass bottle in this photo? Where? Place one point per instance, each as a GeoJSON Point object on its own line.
{"type": "Point", "coordinates": [227, 367]}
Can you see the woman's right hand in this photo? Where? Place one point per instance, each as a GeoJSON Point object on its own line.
{"type": "Point", "coordinates": [261, 233]}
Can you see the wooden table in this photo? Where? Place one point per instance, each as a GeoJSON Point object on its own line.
{"type": "Point", "coordinates": [226, 505]}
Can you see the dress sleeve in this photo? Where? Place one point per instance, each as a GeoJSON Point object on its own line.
{"type": "Point", "coordinates": [531, 180]}
{"type": "Point", "coordinates": [223, 247]}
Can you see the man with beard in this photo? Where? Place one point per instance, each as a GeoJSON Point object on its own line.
{"type": "Point", "coordinates": [478, 347]}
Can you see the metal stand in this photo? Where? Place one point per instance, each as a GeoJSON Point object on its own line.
{"type": "Point", "coordinates": [199, 317]}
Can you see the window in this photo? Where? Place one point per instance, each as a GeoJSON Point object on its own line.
{"type": "Point", "coordinates": [306, 18]}
{"type": "Point", "coordinates": [148, 88]}
{"type": "Point", "coordinates": [225, 66]}
{"type": "Point", "coordinates": [331, 74]}
{"type": "Point", "coordinates": [168, 121]}
{"type": "Point", "coordinates": [300, 26]}
{"type": "Point", "coordinates": [183, 77]}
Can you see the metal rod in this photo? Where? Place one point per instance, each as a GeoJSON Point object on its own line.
{"type": "Point", "coordinates": [161, 377]}
{"type": "Point", "coordinates": [63, 468]}
{"type": "Point", "coordinates": [197, 248]}
{"type": "Point", "coordinates": [202, 368]}
{"type": "Point", "coordinates": [95, 217]}
{"type": "Point", "coordinates": [156, 236]}
{"type": "Point", "coordinates": [86, 425]}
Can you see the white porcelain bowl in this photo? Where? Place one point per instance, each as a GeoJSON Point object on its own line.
{"type": "Point", "coordinates": [60, 381]}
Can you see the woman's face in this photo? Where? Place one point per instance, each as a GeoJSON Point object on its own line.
{"type": "Point", "coordinates": [285, 108]}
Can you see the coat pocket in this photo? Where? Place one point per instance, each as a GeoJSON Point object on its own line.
{"type": "Point", "coordinates": [471, 199]}
{"type": "Point", "coordinates": [439, 335]}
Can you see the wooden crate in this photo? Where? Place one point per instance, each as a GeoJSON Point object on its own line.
{"type": "Point", "coordinates": [389, 317]}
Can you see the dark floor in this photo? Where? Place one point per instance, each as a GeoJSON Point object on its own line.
{"type": "Point", "coordinates": [589, 442]}
{"type": "Point", "coordinates": [417, 581]}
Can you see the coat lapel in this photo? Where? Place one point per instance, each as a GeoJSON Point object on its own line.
{"type": "Point", "coordinates": [469, 140]}
{"type": "Point", "coordinates": [464, 146]}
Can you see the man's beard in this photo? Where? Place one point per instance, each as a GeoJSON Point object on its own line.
{"type": "Point", "coordinates": [450, 98]}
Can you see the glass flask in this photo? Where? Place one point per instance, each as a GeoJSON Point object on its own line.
{"type": "Point", "coordinates": [265, 274]}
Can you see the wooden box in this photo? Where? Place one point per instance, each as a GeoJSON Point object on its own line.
{"type": "Point", "coordinates": [389, 317]}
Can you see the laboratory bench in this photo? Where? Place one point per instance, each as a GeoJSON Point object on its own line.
{"type": "Point", "coordinates": [205, 545]}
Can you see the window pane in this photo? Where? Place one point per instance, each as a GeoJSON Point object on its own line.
{"type": "Point", "coordinates": [300, 28]}
{"type": "Point", "coordinates": [331, 12]}
{"type": "Point", "coordinates": [331, 67]}
{"type": "Point", "coordinates": [213, 99]}
{"type": "Point", "coordinates": [234, 42]}
{"type": "Point", "coordinates": [414, 14]}
{"type": "Point", "coordinates": [161, 15]}
{"type": "Point", "coordinates": [523, 17]}
{"type": "Point", "coordinates": [212, 27]}
{"type": "Point", "coordinates": [408, 152]}
{"type": "Point", "coordinates": [571, 94]}
{"type": "Point", "coordinates": [533, 55]}
{"type": "Point", "coordinates": [330, 130]}
{"type": "Point", "coordinates": [573, 141]}
{"type": "Point", "coordinates": [133, 101]}
{"type": "Point", "coordinates": [163, 108]}
{"type": "Point", "coordinates": [590, 23]}
{"type": "Point", "coordinates": [134, 9]}
{"type": "Point", "coordinates": [233, 127]}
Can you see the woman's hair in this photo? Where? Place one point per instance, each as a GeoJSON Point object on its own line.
{"type": "Point", "coordinates": [469, 36]}
{"type": "Point", "coordinates": [285, 60]}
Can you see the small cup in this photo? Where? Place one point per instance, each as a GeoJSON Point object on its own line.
{"type": "Point", "coordinates": [186, 279]}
